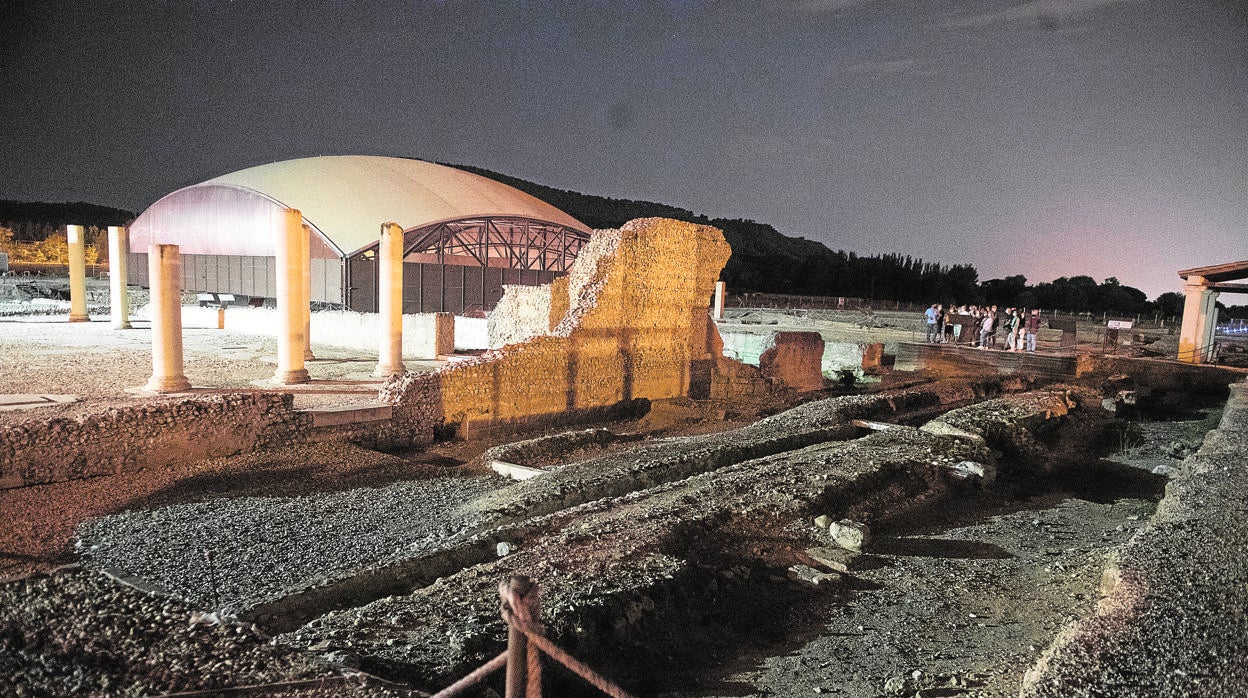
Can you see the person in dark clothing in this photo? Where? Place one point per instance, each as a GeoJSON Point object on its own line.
{"type": "Point", "coordinates": [1033, 328]}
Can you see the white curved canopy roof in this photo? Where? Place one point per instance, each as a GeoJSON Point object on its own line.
{"type": "Point", "coordinates": [347, 197]}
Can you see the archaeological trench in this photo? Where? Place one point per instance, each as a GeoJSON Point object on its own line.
{"type": "Point", "coordinates": [697, 526]}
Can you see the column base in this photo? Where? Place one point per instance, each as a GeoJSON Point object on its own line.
{"type": "Point", "coordinates": [122, 326]}
{"type": "Point", "coordinates": [387, 371]}
{"type": "Point", "coordinates": [167, 384]}
{"type": "Point", "coordinates": [291, 377]}
{"type": "Point", "coordinates": [79, 318]}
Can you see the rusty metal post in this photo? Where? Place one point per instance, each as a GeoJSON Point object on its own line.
{"type": "Point", "coordinates": [520, 607]}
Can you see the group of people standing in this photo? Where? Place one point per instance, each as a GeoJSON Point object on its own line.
{"type": "Point", "coordinates": [980, 327]}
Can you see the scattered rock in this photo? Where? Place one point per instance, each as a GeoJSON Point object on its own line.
{"type": "Point", "coordinates": [835, 559]}
{"type": "Point", "coordinates": [1178, 449]}
{"type": "Point", "coordinates": [850, 535]}
{"type": "Point", "coordinates": [968, 468]}
{"type": "Point", "coordinates": [807, 575]}
{"type": "Point", "coordinates": [939, 428]}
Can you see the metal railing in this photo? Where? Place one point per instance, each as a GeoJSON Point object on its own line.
{"type": "Point", "coordinates": [520, 607]}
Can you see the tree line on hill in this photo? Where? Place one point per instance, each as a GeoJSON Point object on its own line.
{"type": "Point", "coordinates": [766, 261]}
{"type": "Point", "coordinates": [763, 260]}
{"type": "Point", "coordinates": [33, 232]}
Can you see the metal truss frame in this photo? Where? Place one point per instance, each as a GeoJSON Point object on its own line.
{"type": "Point", "coordinates": [523, 243]}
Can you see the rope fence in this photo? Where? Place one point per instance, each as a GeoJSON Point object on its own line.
{"type": "Point", "coordinates": [520, 607]}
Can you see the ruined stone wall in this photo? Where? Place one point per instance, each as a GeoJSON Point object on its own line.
{"type": "Point", "coordinates": [521, 314]}
{"type": "Point", "coordinates": [180, 431]}
{"type": "Point", "coordinates": [635, 326]}
{"type": "Point", "coordinates": [136, 437]}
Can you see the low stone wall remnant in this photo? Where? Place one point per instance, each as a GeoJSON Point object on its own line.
{"type": "Point", "coordinates": [794, 360]}
{"type": "Point", "coordinates": [132, 438]}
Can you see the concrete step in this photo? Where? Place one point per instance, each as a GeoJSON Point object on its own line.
{"type": "Point", "coordinates": [349, 414]}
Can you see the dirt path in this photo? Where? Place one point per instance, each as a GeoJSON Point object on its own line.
{"type": "Point", "coordinates": [962, 600]}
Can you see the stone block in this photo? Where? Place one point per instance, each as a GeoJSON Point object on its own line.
{"type": "Point", "coordinates": [850, 535]}
{"type": "Point", "coordinates": [794, 360]}
{"type": "Point", "coordinates": [807, 575]}
{"type": "Point", "coordinates": [939, 428]}
{"type": "Point", "coordinates": [352, 414]}
{"type": "Point", "coordinates": [872, 356]}
{"type": "Point", "coordinates": [835, 559]}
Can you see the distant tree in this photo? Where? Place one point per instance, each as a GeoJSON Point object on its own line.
{"type": "Point", "coordinates": [6, 239]}
{"type": "Point", "coordinates": [1113, 297]}
{"type": "Point", "coordinates": [1004, 292]}
{"type": "Point", "coordinates": [97, 245]}
{"type": "Point", "coordinates": [1170, 304]}
{"type": "Point", "coordinates": [51, 250]}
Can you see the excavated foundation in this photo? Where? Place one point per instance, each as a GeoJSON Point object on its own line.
{"type": "Point", "coordinates": [669, 557]}
{"type": "Point", "coordinates": [771, 556]}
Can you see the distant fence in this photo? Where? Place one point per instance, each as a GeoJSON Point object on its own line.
{"type": "Point", "coordinates": [53, 270]}
{"type": "Point", "coordinates": [780, 301]}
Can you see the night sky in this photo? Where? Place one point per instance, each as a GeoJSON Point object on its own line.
{"type": "Point", "coordinates": [1042, 137]}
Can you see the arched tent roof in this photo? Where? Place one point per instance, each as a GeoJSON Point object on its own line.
{"type": "Point", "coordinates": [344, 198]}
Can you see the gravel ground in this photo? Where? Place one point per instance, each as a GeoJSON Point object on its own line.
{"type": "Point", "coordinates": [80, 633]}
{"type": "Point", "coordinates": [1172, 619]}
{"type": "Point", "coordinates": [964, 599]}
{"type": "Point", "coordinates": [961, 610]}
{"type": "Point", "coordinates": [262, 545]}
{"type": "Point", "coordinates": [38, 527]}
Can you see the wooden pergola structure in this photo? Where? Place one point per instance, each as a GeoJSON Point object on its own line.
{"type": "Point", "coordinates": [1201, 286]}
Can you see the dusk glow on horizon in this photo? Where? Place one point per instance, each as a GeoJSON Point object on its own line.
{"type": "Point", "coordinates": [1038, 137]}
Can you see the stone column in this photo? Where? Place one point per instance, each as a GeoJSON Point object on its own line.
{"type": "Point", "coordinates": [720, 288]}
{"type": "Point", "coordinates": [118, 259]}
{"type": "Point", "coordinates": [1199, 321]}
{"type": "Point", "coordinates": [390, 302]}
{"type": "Point", "coordinates": [164, 269]}
{"type": "Point", "coordinates": [1211, 325]}
{"type": "Point", "coordinates": [306, 260]}
{"type": "Point", "coordinates": [77, 274]}
{"type": "Point", "coordinates": [292, 335]}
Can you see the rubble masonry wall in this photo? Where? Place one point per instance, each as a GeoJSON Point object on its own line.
{"type": "Point", "coordinates": [636, 325]}
{"type": "Point", "coordinates": [132, 438]}
{"type": "Point", "coordinates": [521, 314]}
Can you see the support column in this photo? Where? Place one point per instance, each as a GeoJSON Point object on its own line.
{"type": "Point", "coordinates": [720, 288]}
{"type": "Point", "coordinates": [118, 258]}
{"type": "Point", "coordinates": [292, 335]}
{"type": "Point", "coordinates": [305, 259]}
{"type": "Point", "coordinates": [390, 302]}
{"type": "Point", "coordinates": [1211, 326]}
{"type": "Point", "coordinates": [1199, 321]}
{"type": "Point", "coordinates": [164, 270]}
{"type": "Point", "coordinates": [77, 274]}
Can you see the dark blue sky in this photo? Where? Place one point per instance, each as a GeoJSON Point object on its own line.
{"type": "Point", "coordinates": [1042, 137]}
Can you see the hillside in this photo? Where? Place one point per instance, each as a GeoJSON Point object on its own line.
{"type": "Point", "coordinates": [32, 221]}
{"type": "Point", "coordinates": [765, 260]}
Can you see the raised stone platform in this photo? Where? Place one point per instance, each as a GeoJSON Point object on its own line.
{"type": "Point", "coordinates": [944, 358]}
